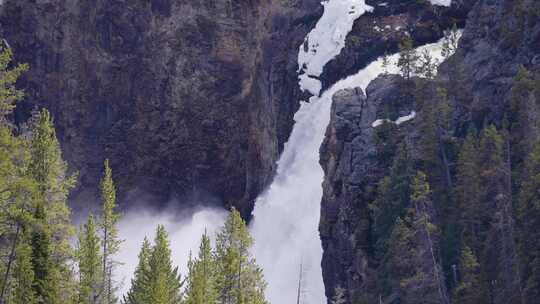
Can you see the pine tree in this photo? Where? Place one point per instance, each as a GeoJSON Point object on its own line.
{"type": "Point", "coordinates": [408, 58]}
{"type": "Point", "coordinates": [162, 282]}
{"type": "Point", "coordinates": [9, 94]}
{"type": "Point", "coordinates": [89, 258]}
{"type": "Point", "coordinates": [498, 256]}
{"type": "Point", "coordinates": [523, 116]}
{"type": "Point", "coordinates": [54, 228]}
{"type": "Point", "coordinates": [466, 193]}
{"type": "Point", "coordinates": [450, 42]}
{"type": "Point", "coordinates": [16, 188]}
{"type": "Point", "coordinates": [109, 241]}
{"type": "Point", "coordinates": [427, 65]}
{"type": "Point", "coordinates": [239, 279]}
{"type": "Point", "coordinates": [529, 223]}
{"type": "Point", "coordinates": [392, 199]}
{"type": "Point", "coordinates": [413, 250]}
{"type": "Point", "coordinates": [45, 273]}
{"type": "Point", "coordinates": [201, 281]}
{"type": "Point", "coordinates": [469, 289]}
{"type": "Point", "coordinates": [23, 276]}
{"type": "Point", "coordinates": [17, 194]}
{"type": "Point", "coordinates": [137, 293]}
{"type": "Point", "coordinates": [385, 63]}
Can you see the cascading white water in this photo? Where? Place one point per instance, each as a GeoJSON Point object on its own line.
{"type": "Point", "coordinates": [286, 216]}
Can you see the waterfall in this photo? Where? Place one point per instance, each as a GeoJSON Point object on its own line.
{"type": "Point", "coordinates": [286, 216]}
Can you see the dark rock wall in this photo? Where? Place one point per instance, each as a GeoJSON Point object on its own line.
{"type": "Point", "coordinates": [499, 37]}
{"type": "Point", "coordinates": [186, 98]}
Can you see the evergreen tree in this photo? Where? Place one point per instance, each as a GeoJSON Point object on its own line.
{"type": "Point", "coordinates": [469, 289]}
{"type": "Point", "coordinates": [16, 189]}
{"type": "Point", "coordinates": [201, 281]}
{"type": "Point", "coordinates": [413, 251]}
{"type": "Point", "coordinates": [109, 241]}
{"type": "Point", "coordinates": [467, 185]}
{"type": "Point", "coordinates": [162, 282]}
{"type": "Point", "coordinates": [89, 259]}
{"type": "Point", "coordinates": [137, 293]}
{"type": "Point", "coordinates": [17, 194]}
{"type": "Point", "coordinates": [427, 65]}
{"type": "Point", "coordinates": [498, 255]}
{"type": "Point", "coordinates": [45, 273]}
{"type": "Point", "coordinates": [23, 276]}
{"type": "Point", "coordinates": [392, 199]}
{"type": "Point", "coordinates": [450, 42]}
{"type": "Point", "coordinates": [385, 63]}
{"type": "Point", "coordinates": [51, 247]}
{"type": "Point", "coordinates": [9, 94]}
{"type": "Point", "coordinates": [408, 58]}
{"type": "Point", "coordinates": [239, 279]}
{"type": "Point", "coordinates": [529, 223]}
{"type": "Point", "coordinates": [523, 116]}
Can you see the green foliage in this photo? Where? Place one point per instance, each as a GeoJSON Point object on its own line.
{"type": "Point", "coordinates": [9, 94]}
{"type": "Point", "coordinates": [469, 289]}
{"type": "Point", "coordinates": [393, 198]}
{"type": "Point", "coordinates": [110, 242]}
{"type": "Point", "coordinates": [201, 281]}
{"type": "Point", "coordinates": [467, 185]}
{"type": "Point", "coordinates": [137, 292]}
{"type": "Point", "coordinates": [89, 259]}
{"type": "Point", "coordinates": [239, 279]}
{"type": "Point", "coordinates": [23, 276]}
{"type": "Point", "coordinates": [450, 42]}
{"type": "Point", "coordinates": [529, 223]}
{"type": "Point", "coordinates": [45, 271]}
{"type": "Point", "coordinates": [408, 58]}
{"type": "Point", "coordinates": [162, 282]}
{"type": "Point", "coordinates": [53, 230]}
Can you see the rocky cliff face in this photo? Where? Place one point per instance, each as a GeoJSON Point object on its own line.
{"type": "Point", "coordinates": [500, 36]}
{"type": "Point", "coordinates": [192, 99]}
{"type": "Point", "coordinates": [351, 160]}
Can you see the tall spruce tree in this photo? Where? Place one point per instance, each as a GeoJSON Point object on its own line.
{"type": "Point", "coordinates": [469, 290]}
{"type": "Point", "coordinates": [15, 186]}
{"type": "Point", "coordinates": [162, 282]}
{"type": "Point", "coordinates": [137, 293]}
{"type": "Point", "coordinates": [109, 240]}
{"type": "Point", "coordinates": [408, 58]}
{"type": "Point", "coordinates": [89, 258]}
{"type": "Point", "coordinates": [53, 230]}
{"type": "Point", "coordinates": [413, 251]}
{"type": "Point", "coordinates": [239, 279]}
{"type": "Point", "coordinates": [23, 276]}
{"type": "Point", "coordinates": [529, 223]}
{"type": "Point", "coordinates": [498, 256]}
{"type": "Point", "coordinates": [466, 191]}
{"type": "Point", "coordinates": [201, 280]}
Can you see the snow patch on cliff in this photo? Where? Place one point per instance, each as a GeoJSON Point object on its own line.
{"type": "Point", "coordinates": [327, 40]}
{"type": "Point", "coordinates": [441, 2]}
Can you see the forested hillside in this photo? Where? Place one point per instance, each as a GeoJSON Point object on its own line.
{"type": "Point", "coordinates": [432, 179]}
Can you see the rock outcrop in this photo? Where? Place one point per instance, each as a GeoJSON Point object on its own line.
{"type": "Point", "coordinates": [192, 99]}
{"type": "Point", "coordinates": [350, 158]}
{"type": "Point", "coordinates": [500, 37]}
